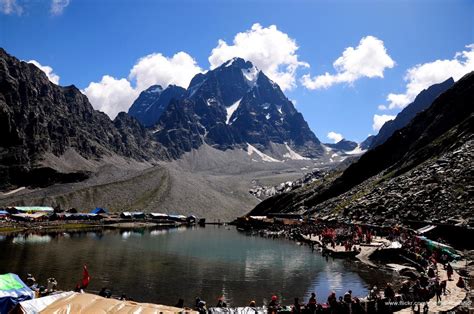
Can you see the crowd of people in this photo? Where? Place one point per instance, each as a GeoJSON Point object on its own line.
{"type": "Point", "coordinates": [429, 283]}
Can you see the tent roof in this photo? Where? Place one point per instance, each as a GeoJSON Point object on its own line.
{"type": "Point", "coordinates": [34, 208]}
{"type": "Point", "coordinates": [12, 291]}
{"type": "Point", "coordinates": [91, 303]}
{"type": "Point", "coordinates": [99, 210]}
{"type": "Point", "coordinates": [37, 305]}
{"type": "Point", "coordinates": [33, 216]}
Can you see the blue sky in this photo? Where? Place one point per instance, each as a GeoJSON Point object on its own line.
{"type": "Point", "coordinates": [83, 40]}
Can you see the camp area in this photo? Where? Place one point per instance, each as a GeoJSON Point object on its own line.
{"type": "Point", "coordinates": [12, 291]}
{"type": "Point", "coordinates": [74, 302]}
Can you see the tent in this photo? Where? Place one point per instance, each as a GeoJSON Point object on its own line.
{"type": "Point", "coordinates": [440, 246]}
{"type": "Point", "coordinates": [37, 216]}
{"type": "Point", "coordinates": [39, 304]}
{"type": "Point", "coordinates": [99, 210]}
{"type": "Point", "coordinates": [12, 291]}
{"type": "Point", "coordinates": [91, 303]}
{"type": "Point", "coordinates": [135, 215]}
{"type": "Point", "coordinates": [34, 209]}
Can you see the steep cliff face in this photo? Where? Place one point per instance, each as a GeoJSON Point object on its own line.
{"type": "Point", "coordinates": [152, 102]}
{"type": "Point", "coordinates": [390, 178]}
{"type": "Point", "coordinates": [38, 117]}
{"type": "Point", "coordinates": [234, 106]}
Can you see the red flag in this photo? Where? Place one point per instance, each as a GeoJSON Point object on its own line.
{"type": "Point", "coordinates": [85, 278]}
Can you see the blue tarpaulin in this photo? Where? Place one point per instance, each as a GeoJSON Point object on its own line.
{"type": "Point", "coordinates": [99, 210]}
{"type": "Point", "coordinates": [12, 291]}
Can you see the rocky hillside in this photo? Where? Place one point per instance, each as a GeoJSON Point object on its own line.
{"type": "Point", "coordinates": [232, 106]}
{"type": "Point", "coordinates": [422, 168]}
{"type": "Point", "coordinates": [38, 117]}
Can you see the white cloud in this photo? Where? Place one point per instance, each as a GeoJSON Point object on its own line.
{"type": "Point", "coordinates": [58, 6]}
{"type": "Point", "coordinates": [335, 137]}
{"type": "Point", "coordinates": [10, 7]}
{"type": "Point", "coordinates": [424, 75]}
{"type": "Point", "coordinates": [368, 59]}
{"type": "Point", "coordinates": [379, 121]}
{"type": "Point", "coordinates": [53, 77]}
{"type": "Point", "coordinates": [111, 95]}
{"type": "Point", "coordinates": [269, 49]}
{"type": "Point", "coordinates": [158, 69]}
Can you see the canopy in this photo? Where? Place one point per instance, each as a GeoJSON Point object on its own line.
{"type": "Point", "coordinates": [30, 217]}
{"type": "Point", "coordinates": [12, 291]}
{"type": "Point", "coordinates": [441, 246]}
{"type": "Point", "coordinates": [91, 303]}
{"type": "Point", "coordinates": [39, 304]}
{"type": "Point", "coordinates": [99, 210]}
{"type": "Point", "coordinates": [33, 209]}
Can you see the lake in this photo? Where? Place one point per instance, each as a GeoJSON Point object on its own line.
{"type": "Point", "coordinates": [161, 266]}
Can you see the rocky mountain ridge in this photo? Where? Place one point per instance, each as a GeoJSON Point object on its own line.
{"type": "Point", "coordinates": [394, 178]}
{"type": "Point", "coordinates": [38, 117]}
{"type": "Point", "coordinates": [232, 106]}
{"type": "Point", "coordinates": [422, 101]}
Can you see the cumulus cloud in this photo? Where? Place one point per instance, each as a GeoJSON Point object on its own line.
{"type": "Point", "coordinates": [368, 59]}
{"type": "Point", "coordinates": [158, 69]}
{"type": "Point", "coordinates": [424, 75]}
{"type": "Point", "coordinates": [379, 121]}
{"type": "Point", "coordinates": [58, 6]}
{"type": "Point", "coordinates": [111, 95]}
{"type": "Point", "coordinates": [10, 7]}
{"type": "Point", "coordinates": [335, 137]}
{"type": "Point", "coordinates": [268, 48]}
{"type": "Point", "coordinates": [53, 77]}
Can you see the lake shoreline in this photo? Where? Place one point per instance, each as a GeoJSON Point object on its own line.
{"type": "Point", "coordinates": [71, 226]}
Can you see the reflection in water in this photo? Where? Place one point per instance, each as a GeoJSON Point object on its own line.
{"type": "Point", "coordinates": [161, 266]}
{"type": "Point", "coordinates": [31, 238]}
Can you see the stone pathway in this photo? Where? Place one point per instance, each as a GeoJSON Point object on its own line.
{"type": "Point", "coordinates": [453, 298]}
{"type": "Point", "coordinates": [365, 250]}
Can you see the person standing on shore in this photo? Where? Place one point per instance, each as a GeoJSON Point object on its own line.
{"type": "Point", "coordinates": [449, 271]}
{"type": "Point", "coordinates": [273, 305]}
{"type": "Point", "coordinates": [296, 306]}
{"type": "Point", "coordinates": [312, 303]}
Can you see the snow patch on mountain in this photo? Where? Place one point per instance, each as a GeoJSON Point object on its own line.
{"type": "Point", "coordinates": [251, 74]}
{"type": "Point", "coordinates": [252, 150]}
{"type": "Point", "coordinates": [231, 110]}
{"type": "Point", "coordinates": [327, 148]}
{"type": "Point", "coordinates": [356, 151]}
{"type": "Point", "coordinates": [293, 155]}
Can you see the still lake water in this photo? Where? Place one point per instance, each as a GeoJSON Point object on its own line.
{"type": "Point", "coordinates": [160, 266]}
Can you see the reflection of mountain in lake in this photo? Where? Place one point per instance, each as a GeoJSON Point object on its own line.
{"type": "Point", "coordinates": [161, 266]}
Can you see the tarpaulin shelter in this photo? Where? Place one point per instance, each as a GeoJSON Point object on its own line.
{"type": "Point", "coordinates": [440, 246]}
{"type": "Point", "coordinates": [34, 209]}
{"type": "Point", "coordinates": [39, 304]}
{"type": "Point", "coordinates": [136, 215]}
{"type": "Point", "coordinates": [30, 217]}
{"type": "Point", "coordinates": [12, 291]}
{"type": "Point", "coordinates": [99, 210]}
{"type": "Point", "coordinates": [91, 303]}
